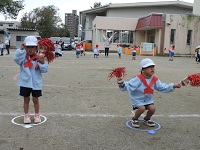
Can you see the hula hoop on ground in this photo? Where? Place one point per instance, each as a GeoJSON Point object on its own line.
{"type": "Point", "coordinates": [28, 125]}
{"type": "Point", "coordinates": [153, 131]}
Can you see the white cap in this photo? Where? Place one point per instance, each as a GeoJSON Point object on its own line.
{"type": "Point", "coordinates": [146, 63]}
{"type": "Point", "coordinates": [30, 41]}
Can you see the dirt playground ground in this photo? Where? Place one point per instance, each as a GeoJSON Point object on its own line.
{"type": "Point", "coordinates": [82, 110]}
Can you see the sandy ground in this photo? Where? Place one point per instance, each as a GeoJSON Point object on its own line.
{"type": "Point", "coordinates": [85, 111]}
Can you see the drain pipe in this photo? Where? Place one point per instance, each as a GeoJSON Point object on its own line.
{"type": "Point", "coordinates": [162, 35]}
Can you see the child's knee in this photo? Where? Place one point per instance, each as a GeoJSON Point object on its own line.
{"type": "Point", "coordinates": [151, 108]}
{"type": "Point", "coordinates": [141, 108]}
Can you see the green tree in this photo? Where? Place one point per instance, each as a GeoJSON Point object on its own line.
{"type": "Point", "coordinates": [45, 20]}
{"type": "Point", "coordinates": [96, 4]}
{"type": "Point", "coordinates": [61, 31]}
{"type": "Point", "coordinates": [11, 8]}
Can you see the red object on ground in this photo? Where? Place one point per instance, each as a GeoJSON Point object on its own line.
{"type": "Point", "coordinates": [117, 72]}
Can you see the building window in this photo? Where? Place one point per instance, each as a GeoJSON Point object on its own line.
{"type": "Point", "coordinates": [172, 36]}
{"type": "Point", "coordinates": [151, 36]}
{"type": "Point", "coordinates": [10, 25]}
{"type": "Point", "coordinates": [124, 37]}
{"type": "Point", "coordinates": [189, 37]}
{"type": "Point", "coordinates": [20, 38]}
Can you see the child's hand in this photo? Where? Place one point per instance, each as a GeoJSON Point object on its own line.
{"type": "Point", "coordinates": [22, 46]}
{"type": "Point", "coordinates": [120, 82]}
{"type": "Point", "coordinates": [41, 59]}
{"type": "Point", "coordinates": [177, 86]}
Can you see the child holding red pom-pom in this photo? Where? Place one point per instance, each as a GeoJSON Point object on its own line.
{"type": "Point", "coordinates": [30, 78]}
{"type": "Point", "coordinates": [141, 89]}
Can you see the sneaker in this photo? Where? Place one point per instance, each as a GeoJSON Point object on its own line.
{"type": "Point", "coordinates": [37, 118]}
{"type": "Point", "coordinates": [149, 123]}
{"type": "Point", "coordinates": [27, 118]}
{"type": "Point", "coordinates": [135, 123]}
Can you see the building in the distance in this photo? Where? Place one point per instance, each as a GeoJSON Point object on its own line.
{"type": "Point", "coordinates": [150, 25]}
{"type": "Point", "coordinates": [17, 34]}
{"type": "Point", "coordinates": [72, 22]}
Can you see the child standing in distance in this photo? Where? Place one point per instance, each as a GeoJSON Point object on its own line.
{"type": "Point", "coordinates": [78, 50]}
{"type": "Point", "coordinates": [172, 53]}
{"type": "Point", "coordinates": [30, 78]}
{"type": "Point", "coordinates": [82, 50]}
{"type": "Point", "coordinates": [134, 52]}
{"type": "Point", "coordinates": [141, 88]}
{"type": "Point", "coordinates": [119, 50]}
{"type": "Point", "coordinates": [96, 51]}
{"type": "Point", "coordinates": [58, 50]}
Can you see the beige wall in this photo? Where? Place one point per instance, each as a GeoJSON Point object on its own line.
{"type": "Point", "coordinates": [114, 23]}
{"type": "Point", "coordinates": [137, 12]}
{"type": "Point", "coordinates": [157, 40]}
{"type": "Point", "coordinates": [182, 23]}
{"type": "Point", "coordinates": [14, 34]}
{"type": "Point", "coordinates": [196, 9]}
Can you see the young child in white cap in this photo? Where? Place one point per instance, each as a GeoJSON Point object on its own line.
{"type": "Point", "coordinates": [30, 78]}
{"type": "Point", "coordinates": [141, 89]}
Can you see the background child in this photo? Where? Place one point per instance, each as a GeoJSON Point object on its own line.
{"type": "Point", "coordinates": [96, 51]}
{"type": "Point", "coordinates": [58, 49]}
{"type": "Point", "coordinates": [1, 47]}
{"type": "Point", "coordinates": [141, 89]}
{"type": "Point", "coordinates": [119, 50]}
{"type": "Point", "coordinates": [172, 53]}
{"type": "Point", "coordinates": [82, 50]}
{"type": "Point", "coordinates": [134, 52]}
{"type": "Point", "coordinates": [78, 50]}
{"type": "Point", "coordinates": [30, 78]}
{"type": "Point", "coordinates": [197, 54]}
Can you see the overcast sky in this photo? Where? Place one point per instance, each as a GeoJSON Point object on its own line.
{"type": "Point", "coordinates": [66, 6]}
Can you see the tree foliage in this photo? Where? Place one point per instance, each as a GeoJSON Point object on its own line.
{"type": "Point", "coordinates": [11, 8]}
{"type": "Point", "coordinates": [96, 4]}
{"type": "Point", "coordinates": [45, 20]}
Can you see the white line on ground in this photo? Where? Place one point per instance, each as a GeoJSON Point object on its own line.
{"type": "Point", "coordinates": [103, 115]}
{"type": "Point", "coordinates": [91, 87]}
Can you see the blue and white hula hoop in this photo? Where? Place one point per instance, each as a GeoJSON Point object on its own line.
{"type": "Point", "coordinates": [153, 131]}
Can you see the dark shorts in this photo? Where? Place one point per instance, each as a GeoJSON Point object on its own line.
{"type": "Point", "coordinates": [27, 91]}
{"type": "Point", "coordinates": [171, 54]}
{"type": "Point", "coordinates": [78, 52]}
{"type": "Point", "coordinates": [134, 108]}
{"type": "Point", "coordinates": [133, 53]}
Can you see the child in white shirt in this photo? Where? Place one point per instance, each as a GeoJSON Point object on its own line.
{"type": "Point", "coordinates": [119, 50]}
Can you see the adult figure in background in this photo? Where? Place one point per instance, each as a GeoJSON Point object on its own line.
{"type": "Point", "coordinates": [1, 47]}
{"type": "Point", "coordinates": [61, 43]}
{"type": "Point", "coordinates": [197, 55]}
{"type": "Point", "coordinates": [7, 41]}
{"type": "Point", "coordinates": [107, 42]}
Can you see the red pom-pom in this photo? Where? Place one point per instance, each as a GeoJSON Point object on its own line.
{"type": "Point", "coordinates": [48, 47]}
{"type": "Point", "coordinates": [47, 43]}
{"type": "Point", "coordinates": [117, 72]}
{"type": "Point", "coordinates": [194, 79]}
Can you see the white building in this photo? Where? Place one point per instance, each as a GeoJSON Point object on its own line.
{"type": "Point", "coordinates": [161, 23]}
{"type": "Point", "coordinates": [17, 34]}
